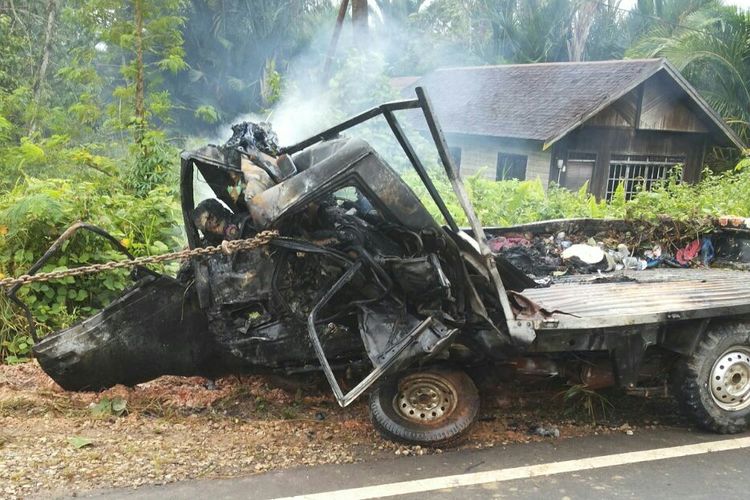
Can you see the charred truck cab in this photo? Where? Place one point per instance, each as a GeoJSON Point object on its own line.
{"type": "Point", "coordinates": [360, 278]}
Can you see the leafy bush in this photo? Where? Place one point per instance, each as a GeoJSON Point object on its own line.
{"type": "Point", "coordinates": [514, 202]}
{"type": "Point", "coordinates": [153, 164]}
{"type": "Point", "coordinates": [36, 212]}
{"type": "Point", "coordinates": [507, 203]}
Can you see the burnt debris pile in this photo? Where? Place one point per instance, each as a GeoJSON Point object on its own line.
{"type": "Point", "coordinates": [248, 137]}
{"type": "Point", "coordinates": [585, 246]}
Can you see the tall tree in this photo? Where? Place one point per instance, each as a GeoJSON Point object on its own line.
{"type": "Point", "coordinates": [231, 44]}
{"type": "Point", "coordinates": [711, 47]}
{"type": "Point", "coordinates": [136, 44]}
{"type": "Point", "coordinates": [360, 23]}
{"type": "Point", "coordinates": [582, 19]}
{"type": "Point", "coordinates": [526, 30]}
{"type": "Point", "coordinates": [663, 14]}
{"type": "Point", "coordinates": [41, 74]}
{"type": "Point", "coordinates": [608, 36]}
{"type": "Point", "coordinates": [140, 97]}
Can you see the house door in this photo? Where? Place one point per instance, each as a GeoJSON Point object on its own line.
{"type": "Point", "coordinates": [578, 169]}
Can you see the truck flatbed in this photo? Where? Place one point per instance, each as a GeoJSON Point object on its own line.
{"type": "Point", "coordinates": [640, 297]}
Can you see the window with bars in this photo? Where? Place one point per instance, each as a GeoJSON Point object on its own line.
{"type": "Point", "coordinates": [511, 166]}
{"type": "Point", "coordinates": [638, 172]}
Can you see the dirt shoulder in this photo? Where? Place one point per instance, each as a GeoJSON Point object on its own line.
{"type": "Point", "coordinates": [54, 442]}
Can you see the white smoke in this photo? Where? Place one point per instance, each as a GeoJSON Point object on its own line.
{"type": "Point", "coordinates": [308, 104]}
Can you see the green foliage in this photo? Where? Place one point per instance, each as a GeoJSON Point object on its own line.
{"type": "Point", "coordinates": [229, 47]}
{"type": "Point", "coordinates": [711, 48]}
{"type": "Point", "coordinates": [271, 84]}
{"type": "Point", "coordinates": [581, 401]}
{"type": "Point", "coordinates": [371, 87]}
{"type": "Point", "coordinates": [518, 31]}
{"type": "Point", "coordinates": [12, 52]}
{"type": "Point", "coordinates": [18, 349]}
{"type": "Point", "coordinates": [107, 407]}
{"type": "Point", "coordinates": [155, 164]}
{"type": "Point", "coordinates": [207, 114]}
{"type": "Point", "coordinates": [79, 442]}
{"type": "Point", "coordinates": [512, 202]}
{"type": "Point", "coordinates": [36, 212]}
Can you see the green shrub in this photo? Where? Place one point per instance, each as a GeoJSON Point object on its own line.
{"type": "Point", "coordinates": [512, 202]}
{"type": "Point", "coordinates": [36, 212]}
{"type": "Point", "coordinates": [154, 164]}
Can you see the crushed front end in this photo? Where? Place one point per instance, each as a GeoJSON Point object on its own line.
{"type": "Point", "coordinates": [360, 276]}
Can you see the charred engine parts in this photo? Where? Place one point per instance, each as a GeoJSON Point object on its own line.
{"type": "Point", "coordinates": [361, 268]}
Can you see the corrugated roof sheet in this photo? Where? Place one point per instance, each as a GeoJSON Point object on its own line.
{"type": "Point", "coordinates": [528, 101]}
{"type": "Point", "coordinates": [655, 292]}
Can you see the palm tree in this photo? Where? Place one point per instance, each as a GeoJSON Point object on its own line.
{"type": "Point", "coordinates": [711, 47]}
{"type": "Point", "coordinates": [525, 31]}
{"type": "Point", "coordinates": [232, 46]}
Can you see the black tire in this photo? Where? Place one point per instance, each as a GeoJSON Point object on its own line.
{"type": "Point", "coordinates": [443, 405]}
{"type": "Point", "coordinates": [720, 363]}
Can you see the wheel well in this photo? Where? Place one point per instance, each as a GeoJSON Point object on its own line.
{"type": "Point", "coordinates": [683, 337]}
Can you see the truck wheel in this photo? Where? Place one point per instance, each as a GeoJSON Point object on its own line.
{"type": "Point", "coordinates": [429, 408]}
{"type": "Point", "coordinates": [713, 385]}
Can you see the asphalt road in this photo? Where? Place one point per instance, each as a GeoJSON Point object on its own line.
{"type": "Point", "coordinates": [650, 464]}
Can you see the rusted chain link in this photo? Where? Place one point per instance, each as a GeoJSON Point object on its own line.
{"type": "Point", "coordinates": [227, 247]}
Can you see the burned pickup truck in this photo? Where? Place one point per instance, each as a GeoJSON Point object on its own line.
{"type": "Point", "coordinates": [354, 278]}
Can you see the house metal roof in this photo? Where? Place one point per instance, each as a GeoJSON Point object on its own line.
{"type": "Point", "coordinates": [544, 101]}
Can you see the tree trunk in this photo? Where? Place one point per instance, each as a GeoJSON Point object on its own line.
{"type": "Point", "coordinates": [140, 109]}
{"type": "Point", "coordinates": [41, 75]}
{"type": "Point", "coordinates": [360, 23]}
{"type": "Point", "coordinates": [583, 18]}
{"type": "Point", "coordinates": [334, 41]}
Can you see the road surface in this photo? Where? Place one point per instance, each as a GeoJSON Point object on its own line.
{"type": "Point", "coordinates": [650, 464]}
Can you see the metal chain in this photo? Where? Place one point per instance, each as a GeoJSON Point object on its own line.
{"type": "Point", "coordinates": [226, 247]}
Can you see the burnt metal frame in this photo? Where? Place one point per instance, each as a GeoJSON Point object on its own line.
{"type": "Point", "coordinates": [341, 398]}
{"type": "Point", "coordinates": [521, 331]}
{"type": "Point", "coordinates": [386, 110]}
{"type": "Point", "coordinates": [354, 267]}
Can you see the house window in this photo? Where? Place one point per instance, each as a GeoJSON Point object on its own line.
{"type": "Point", "coordinates": [510, 166]}
{"type": "Point", "coordinates": [455, 156]}
{"type": "Point", "coordinates": [638, 172]}
{"type": "Point", "coordinates": [579, 169]}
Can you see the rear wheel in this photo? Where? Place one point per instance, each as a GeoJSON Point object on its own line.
{"type": "Point", "coordinates": [429, 408]}
{"type": "Point", "coordinates": [713, 384]}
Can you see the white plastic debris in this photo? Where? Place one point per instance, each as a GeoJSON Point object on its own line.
{"type": "Point", "coordinates": [587, 253]}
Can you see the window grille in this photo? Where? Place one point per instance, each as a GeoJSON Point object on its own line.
{"type": "Point", "coordinates": [638, 172]}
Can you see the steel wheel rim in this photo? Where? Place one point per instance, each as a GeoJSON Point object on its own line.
{"type": "Point", "coordinates": [730, 379]}
{"type": "Point", "coordinates": [425, 398]}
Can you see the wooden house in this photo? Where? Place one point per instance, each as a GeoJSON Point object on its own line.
{"type": "Point", "coordinates": [603, 122]}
